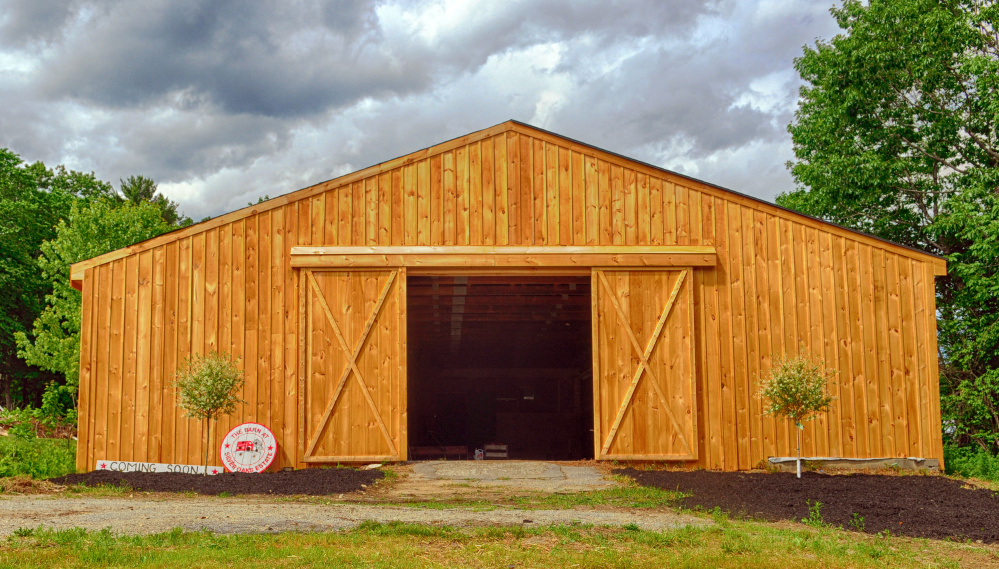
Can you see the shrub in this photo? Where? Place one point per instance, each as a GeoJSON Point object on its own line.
{"type": "Point", "coordinates": [796, 389]}
{"type": "Point", "coordinates": [58, 401]}
{"type": "Point", "coordinates": [971, 462]}
{"type": "Point", "coordinates": [814, 518]}
{"type": "Point", "coordinates": [37, 458]}
{"type": "Point", "coordinates": [55, 419]}
{"type": "Point", "coordinates": [208, 387]}
{"type": "Point", "coordinates": [857, 522]}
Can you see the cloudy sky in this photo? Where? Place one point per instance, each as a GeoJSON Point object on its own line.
{"type": "Point", "coordinates": [224, 101]}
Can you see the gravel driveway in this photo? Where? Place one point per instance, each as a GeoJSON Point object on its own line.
{"type": "Point", "coordinates": [247, 514]}
{"type": "Point", "coordinates": [416, 482]}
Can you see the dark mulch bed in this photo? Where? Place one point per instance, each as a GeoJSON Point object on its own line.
{"type": "Point", "coordinates": [916, 506]}
{"type": "Point", "coordinates": [310, 481]}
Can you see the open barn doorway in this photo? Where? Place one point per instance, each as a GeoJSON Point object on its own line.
{"type": "Point", "coordinates": [501, 364]}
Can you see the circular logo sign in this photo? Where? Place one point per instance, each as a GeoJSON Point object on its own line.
{"type": "Point", "coordinates": [250, 447]}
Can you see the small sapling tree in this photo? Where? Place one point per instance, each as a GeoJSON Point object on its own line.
{"type": "Point", "coordinates": [795, 389]}
{"type": "Point", "coordinates": [208, 387]}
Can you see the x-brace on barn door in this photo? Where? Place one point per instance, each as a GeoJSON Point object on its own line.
{"type": "Point", "coordinates": [352, 396]}
{"type": "Point", "coordinates": [643, 364]}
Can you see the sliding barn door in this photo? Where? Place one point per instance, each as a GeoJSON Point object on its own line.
{"type": "Point", "coordinates": [643, 365]}
{"type": "Point", "coordinates": [353, 391]}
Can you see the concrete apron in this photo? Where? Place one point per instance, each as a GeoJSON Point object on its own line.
{"type": "Point", "coordinates": [527, 475]}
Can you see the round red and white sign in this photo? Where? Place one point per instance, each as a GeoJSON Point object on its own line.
{"type": "Point", "coordinates": [250, 447]}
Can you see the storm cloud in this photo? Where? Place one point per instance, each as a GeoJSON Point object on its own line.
{"type": "Point", "coordinates": [224, 101]}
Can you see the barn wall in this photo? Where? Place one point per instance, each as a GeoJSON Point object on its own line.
{"type": "Point", "coordinates": [867, 308]}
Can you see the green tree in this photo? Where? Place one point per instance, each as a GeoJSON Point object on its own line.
{"type": "Point", "coordinates": [89, 230]}
{"type": "Point", "coordinates": [139, 189]}
{"type": "Point", "coordinates": [795, 389]}
{"type": "Point", "coordinates": [33, 199]}
{"type": "Point", "coordinates": [208, 387]}
{"type": "Point", "coordinates": [896, 134]}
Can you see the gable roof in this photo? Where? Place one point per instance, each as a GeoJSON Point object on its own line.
{"type": "Point", "coordinates": [522, 128]}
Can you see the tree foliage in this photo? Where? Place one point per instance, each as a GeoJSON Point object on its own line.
{"type": "Point", "coordinates": [208, 387]}
{"type": "Point", "coordinates": [896, 135]}
{"type": "Point", "coordinates": [795, 389]}
{"type": "Point", "coordinates": [89, 230]}
{"type": "Point", "coordinates": [49, 219]}
{"type": "Point", "coordinates": [33, 199]}
{"type": "Point", "coordinates": [139, 189]}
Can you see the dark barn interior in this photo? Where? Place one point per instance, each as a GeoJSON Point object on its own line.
{"type": "Point", "coordinates": [500, 361]}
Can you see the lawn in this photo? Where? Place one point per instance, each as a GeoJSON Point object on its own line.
{"type": "Point", "coordinates": [37, 458]}
{"type": "Point", "coordinates": [628, 496]}
{"type": "Point", "coordinates": [726, 544]}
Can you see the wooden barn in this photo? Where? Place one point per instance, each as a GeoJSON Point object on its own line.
{"type": "Point", "coordinates": [515, 288]}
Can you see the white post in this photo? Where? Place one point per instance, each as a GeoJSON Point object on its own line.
{"type": "Point", "coordinates": [208, 443]}
{"type": "Point", "coordinates": [798, 432]}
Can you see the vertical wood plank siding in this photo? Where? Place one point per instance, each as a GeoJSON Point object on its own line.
{"type": "Point", "coordinates": [782, 281]}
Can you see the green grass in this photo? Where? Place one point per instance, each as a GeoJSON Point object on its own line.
{"type": "Point", "coordinates": [37, 458]}
{"type": "Point", "coordinates": [102, 491]}
{"type": "Point", "coordinates": [737, 544]}
{"type": "Point", "coordinates": [390, 475]}
{"type": "Point", "coordinates": [622, 496]}
{"type": "Point", "coordinates": [631, 496]}
{"type": "Point", "coordinates": [474, 505]}
{"type": "Point", "coordinates": [971, 462]}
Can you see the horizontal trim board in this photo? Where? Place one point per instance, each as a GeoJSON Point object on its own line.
{"type": "Point", "coordinates": [647, 457]}
{"type": "Point", "coordinates": [332, 459]}
{"type": "Point", "coordinates": [504, 272]}
{"type": "Point", "coordinates": [502, 257]}
{"type": "Point", "coordinates": [526, 250]}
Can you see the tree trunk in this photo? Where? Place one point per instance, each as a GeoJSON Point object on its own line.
{"type": "Point", "coordinates": [798, 432]}
{"type": "Point", "coordinates": [208, 443]}
{"type": "Point", "coordinates": [5, 388]}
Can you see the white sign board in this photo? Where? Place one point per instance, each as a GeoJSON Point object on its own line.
{"type": "Point", "coordinates": [250, 447]}
{"type": "Point", "coordinates": [126, 466]}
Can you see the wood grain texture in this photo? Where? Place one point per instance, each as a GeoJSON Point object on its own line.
{"type": "Point", "coordinates": [351, 384]}
{"type": "Point", "coordinates": [100, 379]}
{"type": "Point", "coordinates": [775, 281]}
{"type": "Point", "coordinates": [645, 316]}
{"type": "Point", "coordinates": [526, 134]}
{"type": "Point", "coordinates": [85, 406]}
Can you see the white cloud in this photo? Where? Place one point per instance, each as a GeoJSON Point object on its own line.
{"type": "Point", "coordinates": [222, 103]}
{"type": "Point", "coordinates": [768, 94]}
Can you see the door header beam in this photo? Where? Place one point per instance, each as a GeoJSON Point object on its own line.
{"type": "Point", "coordinates": [504, 257]}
